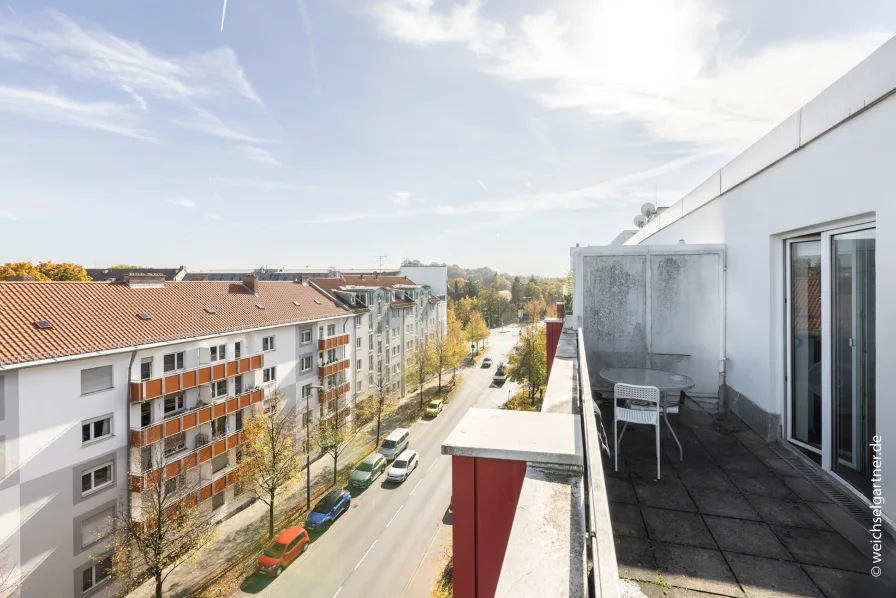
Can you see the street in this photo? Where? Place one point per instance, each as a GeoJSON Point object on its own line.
{"type": "Point", "coordinates": [375, 547]}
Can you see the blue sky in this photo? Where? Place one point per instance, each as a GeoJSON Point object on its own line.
{"type": "Point", "coordinates": [327, 132]}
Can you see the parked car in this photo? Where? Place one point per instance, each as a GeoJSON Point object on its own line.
{"type": "Point", "coordinates": [331, 506]}
{"type": "Point", "coordinates": [367, 470]}
{"type": "Point", "coordinates": [434, 407]}
{"type": "Point", "coordinates": [500, 374]}
{"type": "Point", "coordinates": [487, 362]}
{"type": "Point", "coordinates": [282, 551]}
{"type": "Point", "coordinates": [404, 464]}
{"type": "Point", "coordinates": [395, 442]}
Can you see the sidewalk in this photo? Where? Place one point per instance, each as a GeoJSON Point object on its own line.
{"type": "Point", "coordinates": [241, 531]}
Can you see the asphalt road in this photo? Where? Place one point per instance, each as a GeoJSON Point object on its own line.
{"type": "Point", "coordinates": [375, 547]}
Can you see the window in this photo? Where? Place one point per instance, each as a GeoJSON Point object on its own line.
{"type": "Point", "coordinates": [306, 391]}
{"type": "Point", "coordinates": [358, 367]}
{"type": "Point", "coordinates": [175, 443]}
{"type": "Point", "coordinates": [331, 405]}
{"type": "Point", "coordinates": [219, 389]}
{"type": "Point", "coordinates": [238, 387]}
{"type": "Point", "coordinates": [217, 501]}
{"type": "Point", "coordinates": [96, 429]}
{"type": "Point", "coordinates": [269, 374]}
{"type": "Point", "coordinates": [174, 403]}
{"type": "Point", "coordinates": [331, 355]}
{"type": "Point", "coordinates": [146, 368]}
{"type": "Point", "coordinates": [96, 527]}
{"type": "Point", "coordinates": [360, 387]}
{"type": "Point", "coordinates": [145, 414]}
{"type": "Point", "coordinates": [219, 352]}
{"type": "Point", "coordinates": [306, 364]}
{"type": "Point", "coordinates": [146, 458]}
{"type": "Point", "coordinates": [370, 380]}
{"type": "Point", "coordinates": [379, 347]}
{"type": "Point", "coordinates": [370, 362]}
{"type": "Point", "coordinates": [305, 416]}
{"type": "Point", "coordinates": [96, 574]}
{"type": "Point", "coordinates": [237, 349]}
{"type": "Point", "coordinates": [239, 420]}
{"type": "Point", "coordinates": [370, 342]}
{"type": "Point", "coordinates": [395, 369]}
{"type": "Point", "coordinates": [220, 462]}
{"type": "Point", "coordinates": [387, 337]}
{"type": "Point", "coordinates": [96, 478]}
{"type": "Point", "coordinates": [331, 329]}
{"type": "Point", "coordinates": [96, 379]}
{"type": "Point", "coordinates": [267, 343]}
{"type": "Point", "coordinates": [306, 336]}
{"type": "Point", "coordinates": [358, 342]}
{"type": "Point", "coordinates": [219, 426]}
{"type": "Point", "coordinates": [173, 362]}
{"type": "Point", "coordinates": [370, 321]}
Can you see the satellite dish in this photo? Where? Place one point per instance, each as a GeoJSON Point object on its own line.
{"type": "Point", "coordinates": [648, 210]}
{"type": "Point", "coordinates": [640, 221]}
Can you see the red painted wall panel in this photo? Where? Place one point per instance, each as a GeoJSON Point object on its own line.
{"type": "Point", "coordinates": [463, 524]}
{"type": "Point", "coordinates": [554, 329]}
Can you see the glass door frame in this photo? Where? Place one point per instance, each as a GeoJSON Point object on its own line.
{"type": "Point", "coordinates": [827, 440]}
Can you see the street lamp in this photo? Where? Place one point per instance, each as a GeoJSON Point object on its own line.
{"type": "Point", "coordinates": [308, 441]}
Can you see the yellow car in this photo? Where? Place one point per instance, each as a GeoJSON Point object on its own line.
{"type": "Point", "coordinates": [434, 408]}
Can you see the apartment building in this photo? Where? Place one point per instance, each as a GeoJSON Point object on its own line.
{"type": "Point", "coordinates": [394, 314]}
{"type": "Point", "coordinates": [102, 382]}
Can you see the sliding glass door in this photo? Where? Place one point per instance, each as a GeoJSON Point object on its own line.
{"type": "Point", "coordinates": [831, 311]}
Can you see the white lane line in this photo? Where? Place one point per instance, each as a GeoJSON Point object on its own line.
{"type": "Point", "coordinates": [415, 488]}
{"type": "Point", "coordinates": [395, 515]}
{"type": "Point", "coordinates": [362, 558]}
{"type": "Point", "coordinates": [433, 465]}
{"type": "Point", "coordinates": [337, 592]}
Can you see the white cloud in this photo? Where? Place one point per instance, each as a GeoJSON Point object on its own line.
{"type": "Point", "coordinates": [215, 216]}
{"type": "Point", "coordinates": [207, 123]}
{"type": "Point", "coordinates": [5, 215]}
{"type": "Point", "coordinates": [481, 184]}
{"type": "Point", "coordinates": [135, 96]}
{"type": "Point", "coordinates": [50, 106]}
{"type": "Point", "coordinates": [402, 198]}
{"type": "Point", "coordinates": [184, 202]}
{"type": "Point", "coordinates": [256, 154]}
{"type": "Point", "coordinates": [309, 38]}
{"type": "Point", "coordinates": [264, 185]}
{"type": "Point", "coordinates": [661, 63]}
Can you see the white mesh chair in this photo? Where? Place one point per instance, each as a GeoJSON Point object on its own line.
{"type": "Point", "coordinates": [648, 416]}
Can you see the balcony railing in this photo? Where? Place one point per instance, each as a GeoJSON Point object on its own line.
{"type": "Point", "coordinates": [188, 420]}
{"type": "Point", "coordinates": [144, 390]}
{"type": "Point", "coordinates": [332, 342]}
{"type": "Point", "coordinates": [332, 368]}
{"type": "Point", "coordinates": [335, 392]}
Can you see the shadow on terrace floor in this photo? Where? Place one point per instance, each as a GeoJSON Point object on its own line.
{"type": "Point", "coordinates": [732, 519]}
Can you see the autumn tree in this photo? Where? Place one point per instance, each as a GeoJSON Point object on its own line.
{"type": "Point", "coordinates": [463, 309]}
{"type": "Point", "coordinates": [271, 451]}
{"type": "Point", "coordinates": [380, 402]}
{"type": "Point", "coordinates": [419, 366]}
{"type": "Point", "coordinates": [21, 269]}
{"type": "Point", "coordinates": [164, 531]}
{"type": "Point", "coordinates": [126, 267]}
{"type": "Point", "coordinates": [476, 330]}
{"type": "Point", "coordinates": [441, 352]}
{"type": "Point", "coordinates": [456, 344]}
{"type": "Point", "coordinates": [534, 308]}
{"type": "Point", "coordinates": [63, 271]}
{"type": "Point", "coordinates": [528, 364]}
{"type": "Point", "coordinates": [332, 437]}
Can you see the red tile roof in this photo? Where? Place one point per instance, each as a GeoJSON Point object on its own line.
{"type": "Point", "coordinates": [805, 295]}
{"type": "Point", "coordinates": [91, 316]}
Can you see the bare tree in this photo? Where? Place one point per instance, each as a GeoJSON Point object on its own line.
{"type": "Point", "coordinates": [161, 528]}
{"type": "Point", "coordinates": [333, 437]}
{"type": "Point", "coordinates": [419, 366]}
{"type": "Point", "coordinates": [271, 451]}
{"type": "Point", "coordinates": [381, 402]}
{"type": "Point", "coordinates": [10, 579]}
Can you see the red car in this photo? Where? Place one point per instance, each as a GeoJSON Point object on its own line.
{"type": "Point", "coordinates": [283, 550]}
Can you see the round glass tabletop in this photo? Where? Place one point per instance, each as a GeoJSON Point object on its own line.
{"type": "Point", "coordinates": [663, 380]}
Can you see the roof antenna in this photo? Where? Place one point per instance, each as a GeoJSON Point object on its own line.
{"type": "Point", "coordinates": [381, 259]}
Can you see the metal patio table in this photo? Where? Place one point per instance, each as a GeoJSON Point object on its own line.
{"type": "Point", "coordinates": [665, 381]}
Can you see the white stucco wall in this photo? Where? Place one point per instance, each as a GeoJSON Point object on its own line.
{"type": "Point", "coordinates": [434, 276]}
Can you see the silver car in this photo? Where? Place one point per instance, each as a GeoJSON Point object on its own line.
{"type": "Point", "coordinates": [367, 470]}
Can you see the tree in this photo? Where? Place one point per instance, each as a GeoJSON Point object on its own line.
{"type": "Point", "coordinates": [10, 579]}
{"type": "Point", "coordinates": [528, 364]}
{"type": "Point", "coordinates": [567, 293]}
{"type": "Point", "coordinates": [21, 269]}
{"type": "Point", "coordinates": [63, 271]}
{"type": "Point", "coordinates": [463, 309]}
{"type": "Point", "coordinates": [456, 345]}
{"type": "Point", "coordinates": [534, 308]}
{"type": "Point", "coordinates": [472, 288]}
{"type": "Point", "coordinates": [126, 267]}
{"type": "Point", "coordinates": [271, 452]}
{"type": "Point", "coordinates": [333, 437]}
{"type": "Point", "coordinates": [516, 291]}
{"type": "Point", "coordinates": [167, 531]}
{"type": "Point", "coordinates": [381, 402]}
{"type": "Point", "coordinates": [419, 366]}
{"type": "Point", "coordinates": [441, 351]}
{"type": "Point", "coordinates": [476, 330]}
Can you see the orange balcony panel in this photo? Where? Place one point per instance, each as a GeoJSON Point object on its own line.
{"type": "Point", "coordinates": [136, 392]}
{"type": "Point", "coordinates": [191, 500]}
{"type": "Point", "coordinates": [232, 477]}
{"type": "Point", "coordinates": [205, 493]}
{"type": "Point", "coordinates": [205, 415]}
{"type": "Point", "coordinates": [172, 469]}
{"type": "Point", "coordinates": [153, 389]}
{"type": "Point", "coordinates": [244, 365]}
{"type": "Point", "coordinates": [188, 379]}
{"type": "Point", "coordinates": [256, 362]}
{"type": "Point", "coordinates": [136, 438]}
{"type": "Point", "coordinates": [256, 396]}
{"type": "Point", "coordinates": [232, 441]}
{"type": "Point", "coordinates": [245, 400]}
{"type": "Point", "coordinates": [189, 461]}
{"type": "Point", "coordinates": [220, 410]}
{"type": "Point", "coordinates": [321, 345]}
{"type": "Point", "coordinates": [220, 484]}
{"type": "Point", "coordinates": [204, 375]}
{"type": "Point", "coordinates": [205, 453]}
{"type": "Point", "coordinates": [219, 372]}
{"type": "Point", "coordinates": [154, 434]}
{"type": "Point", "coordinates": [232, 405]}
{"type": "Point", "coordinates": [189, 421]}
{"type": "Point", "coordinates": [231, 368]}
{"type": "Point", "coordinates": [219, 448]}
{"type": "Point", "coordinates": [172, 426]}
{"type": "Point", "coordinates": [136, 483]}
{"type": "Point", "coordinates": [331, 343]}
{"type": "Point", "coordinates": [172, 383]}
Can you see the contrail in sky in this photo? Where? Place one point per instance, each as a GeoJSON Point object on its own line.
{"type": "Point", "coordinates": [223, 13]}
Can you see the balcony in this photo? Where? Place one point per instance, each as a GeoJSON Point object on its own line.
{"type": "Point", "coordinates": [333, 368]}
{"type": "Point", "coordinates": [187, 420]}
{"type": "Point", "coordinates": [333, 342]}
{"type": "Point", "coordinates": [335, 392]}
{"type": "Point", "coordinates": [145, 390]}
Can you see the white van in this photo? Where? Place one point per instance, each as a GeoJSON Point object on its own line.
{"type": "Point", "coordinates": [395, 443]}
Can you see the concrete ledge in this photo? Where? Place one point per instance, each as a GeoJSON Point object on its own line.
{"type": "Point", "coordinates": [561, 394]}
{"type": "Point", "coordinates": [550, 439]}
{"type": "Point", "coordinates": [767, 425]}
{"type": "Point", "coordinates": [546, 550]}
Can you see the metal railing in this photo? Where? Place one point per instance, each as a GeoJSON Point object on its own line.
{"type": "Point", "coordinates": [603, 575]}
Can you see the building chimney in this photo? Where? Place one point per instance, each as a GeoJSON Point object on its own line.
{"type": "Point", "coordinates": [251, 283]}
{"type": "Point", "coordinates": [20, 277]}
{"type": "Point", "coordinates": [362, 276]}
{"type": "Point", "coordinates": [200, 277]}
{"type": "Point", "coordinates": [138, 280]}
{"type": "Point", "coordinates": [376, 275]}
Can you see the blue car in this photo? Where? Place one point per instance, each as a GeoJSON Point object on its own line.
{"type": "Point", "coordinates": [328, 509]}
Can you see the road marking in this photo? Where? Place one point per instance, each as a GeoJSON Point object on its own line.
{"type": "Point", "coordinates": [362, 558]}
{"type": "Point", "coordinates": [337, 592]}
{"type": "Point", "coordinates": [415, 488]}
{"type": "Point", "coordinates": [433, 464]}
{"type": "Point", "coordinates": [417, 568]}
{"type": "Point", "coordinates": [395, 515]}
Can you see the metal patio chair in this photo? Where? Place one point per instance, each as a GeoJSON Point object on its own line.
{"type": "Point", "coordinates": [650, 417]}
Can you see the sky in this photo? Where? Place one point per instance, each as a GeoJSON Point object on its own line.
{"type": "Point", "coordinates": [294, 133]}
